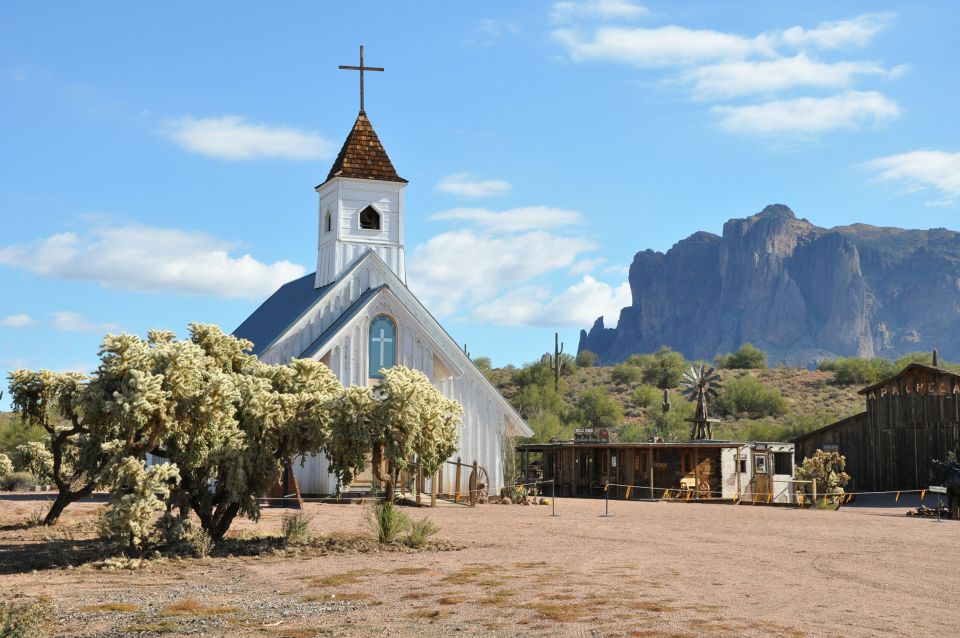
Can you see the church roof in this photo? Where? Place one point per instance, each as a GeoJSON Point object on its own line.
{"type": "Point", "coordinates": [280, 310]}
{"type": "Point", "coordinates": [363, 156]}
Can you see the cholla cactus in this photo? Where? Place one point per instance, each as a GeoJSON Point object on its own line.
{"type": "Point", "coordinates": [137, 493]}
{"type": "Point", "coordinates": [6, 465]}
{"type": "Point", "coordinates": [34, 457]}
{"type": "Point", "coordinates": [402, 419]}
{"type": "Point", "coordinates": [826, 469]}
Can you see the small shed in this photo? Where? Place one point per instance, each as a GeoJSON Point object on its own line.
{"type": "Point", "coordinates": [910, 418]}
{"type": "Point", "coordinates": [700, 469]}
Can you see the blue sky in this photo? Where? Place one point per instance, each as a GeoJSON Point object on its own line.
{"type": "Point", "coordinates": [159, 160]}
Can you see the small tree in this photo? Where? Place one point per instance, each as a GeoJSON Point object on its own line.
{"type": "Point", "coordinates": [597, 409]}
{"type": "Point", "coordinates": [484, 364]}
{"type": "Point", "coordinates": [826, 469]}
{"type": "Point", "coordinates": [746, 357]}
{"type": "Point", "coordinates": [626, 374]}
{"type": "Point", "coordinates": [402, 420]}
{"type": "Point", "coordinates": [586, 359]}
{"type": "Point", "coordinates": [646, 396]}
{"type": "Point", "coordinates": [664, 369]}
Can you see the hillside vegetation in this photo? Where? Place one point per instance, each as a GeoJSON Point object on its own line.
{"type": "Point", "coordinates": [756, 402]}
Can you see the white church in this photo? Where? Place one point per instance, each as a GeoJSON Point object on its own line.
{"type": "Point", "coordinates": [356, 315]}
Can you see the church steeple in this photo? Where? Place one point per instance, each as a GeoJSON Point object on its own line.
{"type": "Point", "coordinates": [363, 156]}
{"type": "Point", "coordinates": [361, 203]}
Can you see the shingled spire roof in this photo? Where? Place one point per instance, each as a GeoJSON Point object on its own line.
{"type": "Point", "coordinates": [362, 156]}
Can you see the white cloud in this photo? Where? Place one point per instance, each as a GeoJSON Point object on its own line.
{"type": "Point", "coordinates": [17, 321]}
{"type": "Point", "coordinates": [490, 31]}
{"type": "Point", "coordinates": [571, 10]}
{"type": "Point", "coordinates": [512, 220]}
{"type": "Point", "coordinates": [231, 137]}
{"type": "Point", "coordinates": [586, 266]}
{"type": "Point", "coordinates": [921, 170]}
{"type": "Point", "coordinates": [469, 185]}
{"type": "Point", "coordinates": [858, 31]}
{"type": "Point", "coordinates": [150, 259]}
{"type": "Point", "coordinates": [809, 115]}
{"type": "Point", "coordinates": [67, 321]}
{"type": "Point", "coordinates": [578, 305]}
{"type": "Point", "coordinates": [617, 270]}
{"type": "Point", "coordinates": [661, 46]}
{"type": "Point", "coordinates": [470, 266]}
{"type": "Point", "coordinates": [743, 77]}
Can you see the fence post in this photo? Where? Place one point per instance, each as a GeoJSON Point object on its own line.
{"type": "Point", "coordinates": [553, 494]}
{"type": "Point", "coordinates": [813, 505]}
{"type": "Point", "coordinates": [456, 496]}
{"type": "Point", "coordinates": [606, 507]}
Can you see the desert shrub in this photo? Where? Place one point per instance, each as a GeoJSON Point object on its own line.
{"type": "Point", "coordinates": [421, 530]}
{"type": "Point", "coordinates": [484, 364]}
{"type": "Point", "coordinates": [597, 409]}
{"type": "Point", "coordinates": [626, 374]}
{"type": "Point", "coordinates": [664, 368]}
{"type": "Point", "coordinates": [34, 457]}
{"type": "Point", "coordinates": [633, 432]}
{"type": "Point", "coordinates": [24, 620]}
{"type": "Point", "coordinates": [549, 426]}
{"type": "Point", "coordinates": [182, 537]}
{"type": "Point", "coordinates": [586, 359]}
{"type": "Point", "coordinates": [671, 425]}
{"type": "Point", "coordinates": [746, 357]}
{"type": "Point", "coordinates": [14, 432]}
{"type": "Point", "coordinates": [18, 481]}
{"type": "Point", "coordinates": [646, 396]}
{"type": "Point", "coordinates": [386, 521]}
{"type": "Point", "coordinates": [6, 465]}
{"type": "Point", "coordinates": [295, 528]}
{"type": "Point", "coordinates": [748, 395]}
{"type": "Point", "coordinates": [854, 371]}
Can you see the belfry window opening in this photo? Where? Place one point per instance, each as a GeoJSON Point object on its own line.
{"type": "Point", "coordinates": [369, 219]}
{"type": "Point", "coordinates": [382, 345]}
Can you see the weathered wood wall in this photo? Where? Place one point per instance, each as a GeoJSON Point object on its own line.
{"type": "Point", "coordinates": [889, 446]}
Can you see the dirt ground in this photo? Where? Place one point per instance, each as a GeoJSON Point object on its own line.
{"type": "Point", "coordinates": [652, 569]}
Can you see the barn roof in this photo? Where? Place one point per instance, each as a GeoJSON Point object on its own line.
{"type": "Point", "coordinates": [363, 156]}
{"type": "Point", "coordinates": [910, 368]}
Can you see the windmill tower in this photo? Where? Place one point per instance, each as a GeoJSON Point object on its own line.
{"type": "Point", "coordinates": [698, 385]}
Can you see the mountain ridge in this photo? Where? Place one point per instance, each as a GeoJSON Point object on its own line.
{"type": "Point", "coordinates": [799, 291]}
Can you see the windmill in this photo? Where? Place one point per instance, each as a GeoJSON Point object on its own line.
{"type": "Point", "coordinates": [700, 384]}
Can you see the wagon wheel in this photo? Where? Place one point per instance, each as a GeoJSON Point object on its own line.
{"type": "Point", "coordinates": [483, 482]}
{"type": "Point", "coordinates": [703, 490]}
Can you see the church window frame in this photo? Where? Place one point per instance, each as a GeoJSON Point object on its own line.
{"type": "Point", "coordinates": [369, 218]}
{"type": "Point", "coordinates": [328, 222]}
{"type": "Point", "coordinates": [381, 345]}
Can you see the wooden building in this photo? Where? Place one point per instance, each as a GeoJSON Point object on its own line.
{"type": "Point", "coordinates": [910, 418]}
{"type": "Point", "coordinates": [704, 469]}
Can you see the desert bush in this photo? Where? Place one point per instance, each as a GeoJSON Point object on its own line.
{"type": "Point", "coordinates": [34, 457]}
{"type": "Point", "coordinates": [18, 481]}
{"type": "Point", "coordinates": [664, 368]}
{"type": "Point", "coordinates": [549, 426]}
{"type": "Point", "coordinates": [597, 409]}
{"type": "Point", "coordinates": [854, 371]}
{"type": "Point", "coordinates": [671, 425]}
{"type": "Point", "coordinates": [586, 359]}
{"type": "Point", "coordinates": [6, 465]}
{"type": "Point", "coordinates": [483, 363]}
{"type": "Point", "coordinates": [748, 395]}
{"type": "Point", "coordinates": [295, 528]}
{"type": "Point", "coordinates": [746, 357]}
{"type": "Point", "coordinates": [24, 620]}
{"type": "Point", "coordinates": [421, 530]}
{"type": "Point", "coordinates": [646, 396]}
{"type": "Point", "coordinates": [182, 537]}
{"type": "Point", "coordinates": [386, 521]}
{"type": "Point", "coordinates": [626, 374]}
{"type": "Point", "coordinates": [137, 493]}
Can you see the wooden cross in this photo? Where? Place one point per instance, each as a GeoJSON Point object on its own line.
{"type": "Point", "coordinates": [361, 68]}
{"type": "Point", "coordinates": [383, 340]}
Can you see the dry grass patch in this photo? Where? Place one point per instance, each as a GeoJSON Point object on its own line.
{"type": "Point", "coordinates": [162, 627]}
{"type": "Point", "coordinates": [654, 607]}
{"type": "Point", "coordinates": [532, 565]}
{"type": "Point", "coordinates": [473, 574]}
{"type": "Point", "coordinates": [408, 571]}
{"type": "Point", "coordinates": [502, 598]}
{"type": "Point", "coordinates": [352, 577]}
{"type": "Point", "coordinates": [557, 613]}
{"type": "Point", "coordinates": [111, 607]}
{"type": "Point", "coordinates": [429, 614]}
{"type": "Point", "coordinates": [451, 600]}
{"type": "Point", "coordinates": [658, 633]}
{"type": "Point", "coordinates": [190, 607]}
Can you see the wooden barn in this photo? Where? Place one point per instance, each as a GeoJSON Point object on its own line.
{"type": "Point", "coordinates": [910, 418]}
{"type": "Point", "coordinates": [704, 469]}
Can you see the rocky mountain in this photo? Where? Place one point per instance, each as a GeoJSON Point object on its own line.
{"type": "Point", "coordinates": [798, 291]}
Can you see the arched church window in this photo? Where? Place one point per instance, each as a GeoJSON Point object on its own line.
{"type": "Point", "coordinates": [370, 218]}
{"type": "Point", "coordinates": [383, 345]}
{"type": "Point", "coordinates": [328, 222]}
